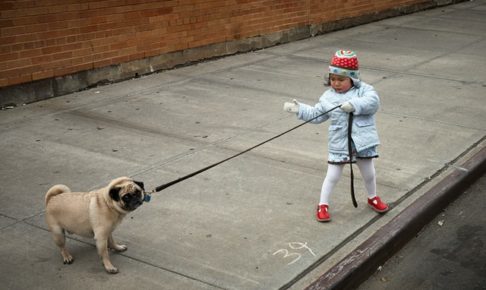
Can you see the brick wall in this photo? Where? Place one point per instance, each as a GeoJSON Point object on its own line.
{"type": "Point", "coordinates": [52, 39]}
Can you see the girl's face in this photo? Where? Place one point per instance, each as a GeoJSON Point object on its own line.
{"type": "Point", "coordinates": [340, 84]}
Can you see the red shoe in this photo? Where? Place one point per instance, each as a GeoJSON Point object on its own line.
{"type": "Point", "coordinates": [322, 213]}
{"type": "Point", "coordinates": [377, 205]}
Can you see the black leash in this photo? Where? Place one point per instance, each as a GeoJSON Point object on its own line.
{"type": "Point", "coordinates": [164, 186]}
{"type": "Point", "coordinates": [350, 152]}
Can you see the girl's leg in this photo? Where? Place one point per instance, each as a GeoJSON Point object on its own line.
{"type": "Point", "coordinates": [367, 169]}
{"type": "Point", "coordinates": [333, 174]}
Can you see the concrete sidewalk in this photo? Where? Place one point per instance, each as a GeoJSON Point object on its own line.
{"type": "Point", "coordinates": [248, 223]}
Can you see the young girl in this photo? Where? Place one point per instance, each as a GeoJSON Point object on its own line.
{"type": "Point", "coordinates": [353, 96]}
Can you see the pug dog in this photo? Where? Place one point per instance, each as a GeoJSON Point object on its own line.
{"type": "Point", "coordinates": [93, 214]}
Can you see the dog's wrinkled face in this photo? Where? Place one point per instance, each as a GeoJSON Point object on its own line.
{"type": "Point", "coordinates": [129, 195]}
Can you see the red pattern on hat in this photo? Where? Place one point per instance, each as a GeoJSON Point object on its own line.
{"type": "Point", "coordinates": [345, 59]}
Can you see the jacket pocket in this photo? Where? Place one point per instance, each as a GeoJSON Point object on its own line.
{"type": "Point", "coordinates": [364, 122]}
{"type": "Point", "coordinates": [335, 127]}
{"type": "Point", "coordinates": [337, 137]}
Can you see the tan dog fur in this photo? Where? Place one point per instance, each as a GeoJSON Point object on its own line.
{"type": "Point", "coordinates": [94, 214]}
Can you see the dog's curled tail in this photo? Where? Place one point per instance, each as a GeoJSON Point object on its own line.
{"type": "Point", "coordinates": [55, 190]}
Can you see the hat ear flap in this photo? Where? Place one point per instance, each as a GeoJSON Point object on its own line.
{"type": "Point", "coordinates": [115, 193]}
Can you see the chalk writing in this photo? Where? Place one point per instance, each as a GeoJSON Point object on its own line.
{"type": "Point", "coordinates": [295, 255]}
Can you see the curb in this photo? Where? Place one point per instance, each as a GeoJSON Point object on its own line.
{"type": "Point", "coordinates": [362, 262]}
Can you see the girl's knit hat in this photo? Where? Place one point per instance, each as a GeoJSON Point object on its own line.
{"type": "Point", "coordinates": [345, 63]}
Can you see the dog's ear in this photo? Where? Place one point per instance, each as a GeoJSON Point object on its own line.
{"type": "Point", "coordinates": [139, 183]}
{"type": "Point", "coordinates": [115, 193]}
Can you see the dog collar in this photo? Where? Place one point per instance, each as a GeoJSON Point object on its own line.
{"type": "Point", "coordinates": [146, 198]}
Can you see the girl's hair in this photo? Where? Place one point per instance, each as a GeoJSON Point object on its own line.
{"type": "Point", "coordinates": [327, 81]}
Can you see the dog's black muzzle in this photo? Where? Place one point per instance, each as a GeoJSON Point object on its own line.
{"type": "Point", "coordinates": [132, 201]}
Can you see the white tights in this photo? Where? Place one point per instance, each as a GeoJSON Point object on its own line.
{"type": "Point", "coordinates": [334, 172]}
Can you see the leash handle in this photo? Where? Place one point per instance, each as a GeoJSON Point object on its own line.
{"type": "Point", "coordinates": [164, 186]}
{"type": "Point", "coordinates": [350, 152]}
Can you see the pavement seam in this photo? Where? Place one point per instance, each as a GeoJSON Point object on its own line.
{"type": "Point", "coordinates": [73, 238]}
{"type": "Point", "coordinates": [376, 218]}
{"type": "Point", "coordinates": [361, 262]}
{"type": "Point", "coordinates": [398, 72]}
{"type": "Point", "coordinates": [14, 221]}
{"type": "Point", "coordinates": [480, 129]}
{"type": "Point", "coordinates": [186, 78]}
{"type": "Point", "coordinates": [404, 26]}
{"type": "Point", "coordinates": [440, 171]}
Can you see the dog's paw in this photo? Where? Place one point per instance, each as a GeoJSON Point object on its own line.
{"type": "Point", "coordinates": [111, 270]}
{"type": "Point", "coordinates": [67, 258]}
{"type": "Point", "coordinates": [120, 248]}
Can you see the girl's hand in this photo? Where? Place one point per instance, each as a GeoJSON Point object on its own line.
{"type": "Point", "coordinates": [291, 107]}
{"type": "Point", "coordinates": [347, 107]}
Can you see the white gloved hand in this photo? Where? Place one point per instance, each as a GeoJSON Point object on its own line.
{"type": "Point", "coordinates": [291, 107]}
{"type": "Point", "coordinates": [347, 107]}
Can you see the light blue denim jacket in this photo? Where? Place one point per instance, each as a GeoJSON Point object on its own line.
{"type": "Point", "coordinates": [365, 101]}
